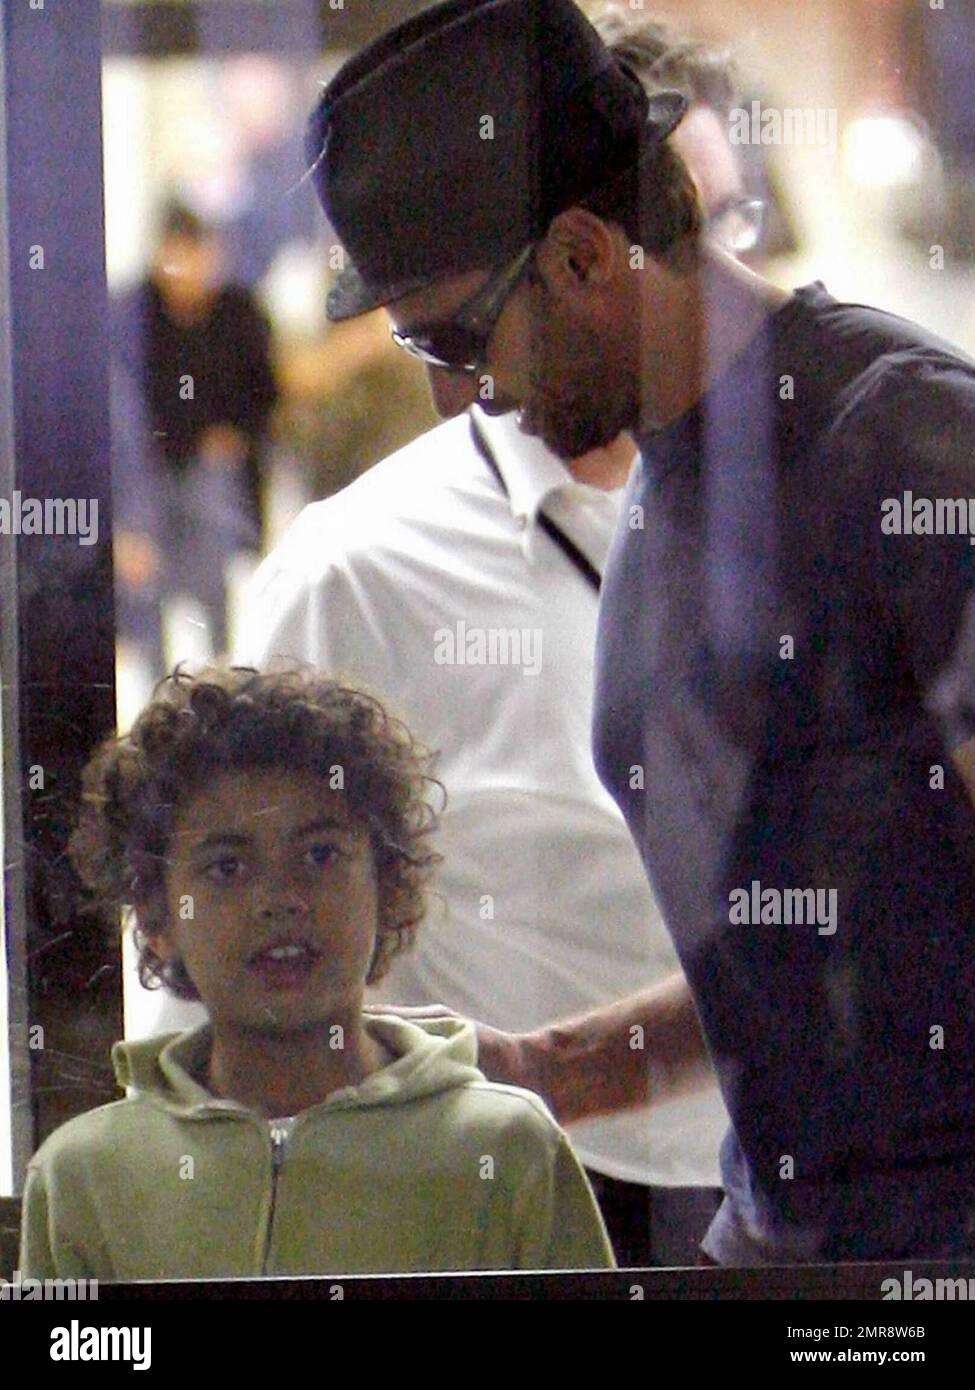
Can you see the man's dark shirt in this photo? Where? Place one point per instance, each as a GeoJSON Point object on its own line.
{"type": "Point", "coordinates": [742, 758]}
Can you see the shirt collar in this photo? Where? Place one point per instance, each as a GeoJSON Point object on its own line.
{"type": "Point", "coordinates": [529, 469]}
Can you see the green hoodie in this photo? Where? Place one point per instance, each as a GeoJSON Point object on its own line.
{"type": "Point", "coordinates": [425, 1165]}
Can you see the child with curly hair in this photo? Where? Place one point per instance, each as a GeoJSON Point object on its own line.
{"type": "Point", "coordinates": [270, 834]}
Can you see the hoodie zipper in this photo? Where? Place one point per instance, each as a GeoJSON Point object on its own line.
{"type": "Point", "coordinates": [278, 1135]}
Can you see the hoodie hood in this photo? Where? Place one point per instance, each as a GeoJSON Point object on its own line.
{"type": "Point", "coordinates": [387, 1176]}
{"type": "Point", "coordinates": [432, 1055]}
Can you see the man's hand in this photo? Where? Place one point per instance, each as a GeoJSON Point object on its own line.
{"type": "Point", "coordinates": [137, 559]}
{"type": "Point", "coordinates": [222, 446]}
{"type": "Point", "coordinates": [643, 1050]}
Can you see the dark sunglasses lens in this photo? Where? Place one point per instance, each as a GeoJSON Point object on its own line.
{"type": "Point", "coordinates": [444, 345]}
{"type": "Point", "coordinates": [738, 228]}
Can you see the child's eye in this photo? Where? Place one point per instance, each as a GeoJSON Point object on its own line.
{"type": "Point", "coordinates": [322, 855]}
{"type": "Point", "coordinates": [225, 868]}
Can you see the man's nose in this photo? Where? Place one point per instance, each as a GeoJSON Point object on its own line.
{"type": "Point", "coordinates": [452, 392]}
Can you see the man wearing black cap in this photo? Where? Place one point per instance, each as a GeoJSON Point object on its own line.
{"type": "Point", "coordinates": [785, 647]}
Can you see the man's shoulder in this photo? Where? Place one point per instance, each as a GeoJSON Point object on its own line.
{"type": "Point", "coordinates": [435, 482]}
{"type": "Point", "coordinates": [876, 360]}
{"type": "Point", "coordinates": [906, 396]}
{"type": "Point", "coordinates": [444, 458]}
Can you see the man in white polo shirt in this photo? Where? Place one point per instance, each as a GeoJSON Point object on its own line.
{"type": "Point", "coordinates": [459, 580]}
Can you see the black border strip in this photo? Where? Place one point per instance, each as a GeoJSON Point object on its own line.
{"type": "Point", "coordinates": [854, 1282]}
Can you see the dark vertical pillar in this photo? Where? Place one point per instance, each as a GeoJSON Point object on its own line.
{"type": "Point", "coordinates": [56, 602]}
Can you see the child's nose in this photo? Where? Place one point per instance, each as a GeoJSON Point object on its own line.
{"type": "Point", "coordinates": [279, 908]}
{"type": "Point", "coordinates": [280, 900]}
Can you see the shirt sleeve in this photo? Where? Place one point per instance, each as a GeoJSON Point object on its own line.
{"type": "Point", "coordinates": [290, 613]}
{"type": "Point", "coordinates": [275, 617]}
{"type": "Point", "coordinates": [922, 500]}
{"type": "Point", "coordinates": [61, 1236]}
{"type": "Point", "coordinates": [51, 1244]}
{"type": "Point", "coordinates": [563, 1227]}
{"type": "Point", "coordinates": [299, 610]}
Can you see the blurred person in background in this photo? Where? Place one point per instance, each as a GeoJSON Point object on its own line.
{"type": "Point", "coordinates": [666, 60]}
{"type": "Point", "coordinates": [739, 185]}
{"type": "Point", "coordinates": [939, 54]}
{"type": "Point", "coordinates": [475, 524]}
{"type": "Point", "coordinates": [195, 383]}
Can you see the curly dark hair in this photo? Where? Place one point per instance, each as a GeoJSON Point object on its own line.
{"type": "Point", "coordinates": [241, 719]}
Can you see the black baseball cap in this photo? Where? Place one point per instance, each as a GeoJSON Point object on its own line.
{"type": "Point", "coordinates": [452, 141]}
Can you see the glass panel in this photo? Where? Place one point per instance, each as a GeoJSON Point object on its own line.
{"type": "Point", "coordinates": [225, 427]}
{"type": "Point", "coordinates": [61, 1002]}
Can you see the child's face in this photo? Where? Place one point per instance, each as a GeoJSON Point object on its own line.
{"type": "Point", "coordinates": [271, 899]}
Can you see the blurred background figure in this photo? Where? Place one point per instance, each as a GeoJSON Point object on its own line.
{"type": "Point", "coordinates": [746, 210]}
{"type": "Point", "coordinates": [263, 207]}
{"type": "Point", "coordinates": [194, 392]}
{"type": "Point", "coordinates": [242, 171]}
{"type": "Point", "coordinates": [940, 63]}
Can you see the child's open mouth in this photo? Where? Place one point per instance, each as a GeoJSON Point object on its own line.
{"type": "Point", "coordinates": [285, 964]}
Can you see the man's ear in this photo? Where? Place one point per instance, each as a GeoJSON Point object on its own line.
{"type": "Point", "coordinates": [578, 251]}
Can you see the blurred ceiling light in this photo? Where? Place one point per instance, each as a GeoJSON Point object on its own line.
{"type": "Point", "coordinates": [258, 94]}
{"type": "Point", "coordinates": [885, 149]}
{"type": "Point", "coordinates": [293, 289]}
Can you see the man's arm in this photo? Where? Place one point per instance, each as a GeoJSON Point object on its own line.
{"type": "Point", "coordinates": [646, 1049]}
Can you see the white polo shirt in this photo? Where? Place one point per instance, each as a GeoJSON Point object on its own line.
{"type": "Point", "coordinates": [424, 583]}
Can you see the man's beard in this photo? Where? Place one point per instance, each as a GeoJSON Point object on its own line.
{"type": "Point", "coordinates": [571, 424]}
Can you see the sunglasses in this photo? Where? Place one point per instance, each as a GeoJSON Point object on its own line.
{"type": "Point", "coordinates": [737, 224]}
{"type": "Point", "coordinates": [459, 344]}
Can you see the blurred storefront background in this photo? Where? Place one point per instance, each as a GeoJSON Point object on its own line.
{"type": "Point", "coordinates": [856, 124]}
